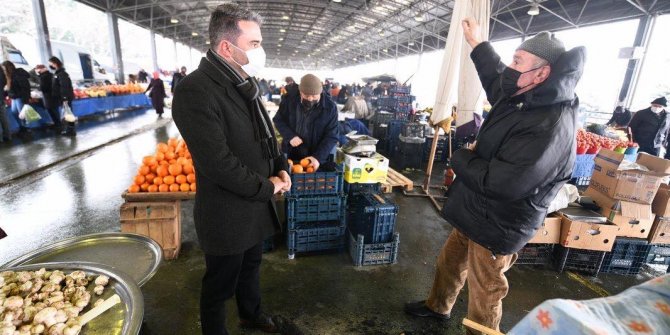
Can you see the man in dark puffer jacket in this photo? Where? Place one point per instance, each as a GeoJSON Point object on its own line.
{"type": "Point", "coordinates": [505, 181]}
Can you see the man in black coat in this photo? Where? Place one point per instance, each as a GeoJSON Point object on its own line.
{"type": "Point", "coordinates": [523, 155]}
{"type": "Point", "coordinates": [307, 122]}
{"type": "Point", "coordinates": [238, 166]}
{"type": "Point", "coordinates": [62, 91]}
{"type": "Point", "coordinates": [620, 117]}
{"type": "Point", "coordinates": [649, 127]}
{"type": "Point", "coordinates": [176, 78]}
{"type": "Point", "coordinates": [48, 98]}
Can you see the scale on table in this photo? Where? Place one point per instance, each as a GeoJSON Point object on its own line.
{"type": "Point", "coordinates": [360, 145]}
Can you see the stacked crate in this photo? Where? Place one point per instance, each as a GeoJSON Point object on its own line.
{"type": "Point", "coordinates": [540, 249]}
{"type": "Point", "coordinates": [409, 151]}
{"type": "Point", "coordinates": [315, 212]}
{"type": "Point", "coordinates": [371, 230]}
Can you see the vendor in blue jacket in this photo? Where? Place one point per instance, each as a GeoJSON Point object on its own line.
{"type": "Point", "coordinates": [307, 122]}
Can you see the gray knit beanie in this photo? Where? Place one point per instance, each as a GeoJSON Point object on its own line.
{"type": "Point", "coordinates": [310, 85]}
{"type": "Point", "coordinates": [544, 45]}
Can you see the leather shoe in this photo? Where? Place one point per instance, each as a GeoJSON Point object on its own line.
{"type": "Point", "coordinates": [263, 322]}
{"type": "Point", "coordinates": [420, 309]}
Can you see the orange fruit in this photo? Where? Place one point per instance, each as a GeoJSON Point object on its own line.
{"type": "Point", "coordinates": [297, 169]}
{"type": "Point", "coordinates": [160, 157]}
{"type": "Point", "coordinates": [150, 160]}
{"type": "Point", "coordinates": [169, 155]}
{"type": "Point", "coordinates": [188, 168]}
{"type": "Point", "coordinates": [163, 163]}
{"type": "Point", "coordinates": [158, 181]}
{"type": "Point", "coordinates": [193, 187]}
{"type": "Point", "coordinates": [163, 188]}
{"type": "Point", "coordinates": [133, 188]}
{"type": "Point", "coordinates": [139, 180]}
{"type": "Point", "coordinates": [161, 147]}
{"type": "Point", "coordinates": [144, 187]}
{"type": "Point", "coordinates": [290, 162]}
{"type": "Point", "coordinates": [175, 169]}
{"type": "Point", "coordinates": [187, 155]}
{"type": "Point", "coordinates": [144, 170]}
{"type": "Point", "coordinates": [146, 159]}
{"type": "Point", "coordinates": [190, 178]}
{"type": "Point", "coordinates": [184, 187]}
{"type": "Point", "coordinates": [150, 178]}
{"type": "Point", "coordinates": [152, 188]}
{"type": "Point", "coordinates": [180, 179]}
{"type": "Point", "coordinates": [172, 142]}
{"type": "Point", "coordinates": [174, 188]}
{"type": "Point", "coordinates": [162, 171]}
{"type": "Point", "coordinates": [172, 161]}
{"type": "Point", "coordinates": [181, 161]}
{"type": "Point", "coordinates": [310, 169]}
{"type": "Point", "coordinates": [168, 180]}
{"type": "Point", "coordinates": [304, 162]}
{"type": "Point", "coordinates": [153, 168]}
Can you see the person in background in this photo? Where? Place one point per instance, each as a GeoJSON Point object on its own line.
{"type": "Point", "coordinates": [342, 96]}
{"type": "Point", "coordinates": [357, 105]}
{"type": "Point", "coordinates": [4, 121]}
{"type": "Point", "coordinates": [530, 133]}
{"type": "Point", "coordinates": [649, 127]}
{"type": "Point", "coordinates": [265, 89]}
{"type": "Point", "coordinates": [18, 89]}
{"type": "Point", "coordinates": [142, 76]}
{"type": "Point", "coordinates": [307, 122]}
{"type": "Point", "coordinates": [157, 94]}
{"type": "Point", "coordinates": [63, 92]}
{"type": "Point", "coordinates": [132, 79]}
{"type": "Point", "coordinates": [347, 125]}
{"type": "Point", "coordinates": [291, 87]}
{"type": "Point", "coordinates": [176, 78]}
{"type": "Point", "coordinates": [335, 91]}
{"type": "Point", "coordinates": [620, 117]}
{"type": "Point", "coordinates": [48, 98]}
{"type": "Point", "coordinates": [238, 167]}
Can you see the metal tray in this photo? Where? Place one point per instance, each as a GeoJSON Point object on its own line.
{"type": "Point", "coordinates": [122, 319]}
{"type": "Point", "coordinates": [136, 255]}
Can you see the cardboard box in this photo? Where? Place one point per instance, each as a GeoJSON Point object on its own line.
{"type": "Point", "coordinates": [660, 231]}
{"type": "Point", "coordinates": [629, 185]}
{"type": "Point", "coordinates": [633, 219]}
{"type": "Point", "coordinates": [586, 235]}
{"type": "Point", "coordinates": [661, 204]}
{"type": "Point", "coordinates": [549, 232]}
{"type": "Point", "coordinates": [362, 169]}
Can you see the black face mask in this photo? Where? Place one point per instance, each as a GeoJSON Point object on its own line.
{"type": "Point", "coordinates": [508, 79]}
{"type": "Point", "coordinates": [308, 104]}
{"type": "Point", "coordinates": [52, 67]}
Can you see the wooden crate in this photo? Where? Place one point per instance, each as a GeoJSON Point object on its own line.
{"type": "Point", "coordinates": [161, 221]}
{"type": "Point", "coordinates": [157, 196]}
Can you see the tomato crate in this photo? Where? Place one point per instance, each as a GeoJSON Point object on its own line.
{"type": "Point", "coordinates": [315, 208]}
{"type": "Point", "coordinates": [659, 254]}
{"type": "Point", "coordinates": [588, 261]}
{"type": "Point", "coordinates": [373, 216]}
{"type": "Point", "coordinates": [535, 254]}
{"type": "Point", "coordinates": [356, 188]}
{"type": "Point", "coordinates": [626, 257]}
{"type": "Point", "coordinates": [326, 236]}
{"type": "Point", "coordinates": [317, 183]}
{"type": "Point", "coordinates": [375, 253]}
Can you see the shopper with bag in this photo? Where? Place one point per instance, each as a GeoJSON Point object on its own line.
{"type": "Point", "coordinates": [6, 133]}
{"type": "Point", "coordinates": [18, 89]}
{"type": "Point", "coordinates": [63, 93]}
{"type": "Point", "coordinates": [50, 102]}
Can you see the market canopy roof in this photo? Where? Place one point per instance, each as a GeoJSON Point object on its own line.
{"type": "Point", "coordinates": [339, 33]}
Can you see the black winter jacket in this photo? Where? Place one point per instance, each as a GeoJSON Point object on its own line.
{"type": "Point", "coordinates": [650, 130]}
{"type": "Point", "coordinates": [46, 86]}
{"type": "Point", "coordinates": [62, 87]}
{"type": "Point", "coordinates": [320, 124]}
{"type": "Point", "coordinates": [234, 205]}
{"type": "Point", "coordinates": [20, 86]}
{"type": "Point", "coordinates": [525, 153]}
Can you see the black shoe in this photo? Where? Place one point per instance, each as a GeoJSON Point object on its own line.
{"type": "Point", "coordinates": [263, 322]}
{"type": "Point", "coordinates": [420, 309]}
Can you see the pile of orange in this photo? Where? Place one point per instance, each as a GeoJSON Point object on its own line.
{"type": "Point", "coordinates": [305, 166]}
{"type": "Point", "coordinates": [169, 170]}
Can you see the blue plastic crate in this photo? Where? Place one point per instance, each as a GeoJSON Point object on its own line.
{"type": "Point", "coordinates": [402, 114]}
{"type": "Point", "coordinates": [356, 188]}
{"type": "Point", "coordinates": [324, 237]}
{"type": "Point", "coordinates": [373, 216]}
{"type": "Point", "coordinates": [393, 131]}
{"type": "Point", "coordinates": [317, 183]}
{"type": "Point", "coordinates": [374, 253]}
{"type": "Point", "coordinates": [442, 152]}
{"type": "Point", "coordinates": [626, 257]}
{"type": "Point", "coordinates": [315, 208]}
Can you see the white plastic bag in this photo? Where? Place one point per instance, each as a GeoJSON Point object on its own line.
{"type": "Point", "coordinates": [68, 116]}
{"type": "Point", "coordinates": [565, 195]}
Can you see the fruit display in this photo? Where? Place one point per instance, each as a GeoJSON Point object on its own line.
{"type": "Point", "coordinates": [46, 302]}
{"type": "Point", "coordinates": [105, 90]}
{"type": "Point", "coordinates": [305, 166]}
{"type": "Point", "coordinates": [590, 143]}
{"type": "Point", "coordinates": [170, 169]}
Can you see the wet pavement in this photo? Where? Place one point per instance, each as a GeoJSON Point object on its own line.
{"type": "Point", "coordinates": [320, 294]}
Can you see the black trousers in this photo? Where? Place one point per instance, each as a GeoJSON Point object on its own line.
{"type": "Point", "coordinates": [55, 116]}
{"type": "Point", "coordinates": [226, 276]}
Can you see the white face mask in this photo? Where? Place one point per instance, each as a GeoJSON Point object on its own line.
{"type": "Point", "coordinates": [256, 59]}
{"type": "Point", "coordinates": [656, 109]}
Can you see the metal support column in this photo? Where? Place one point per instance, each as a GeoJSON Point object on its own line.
{"type": "Point", "coordinates": [43, 39]}
{"type": "Point", "coordinates": [115, 46]}
{"type": "Point", "coordinates": [176, 55]}
{"type": "Point", "coordinates": [642, 36]}
{"type": "Point", "coordinates": [154, 54]}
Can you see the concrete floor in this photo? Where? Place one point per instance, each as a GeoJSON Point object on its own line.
{"type": "Point", "coordinates": [320, 294]}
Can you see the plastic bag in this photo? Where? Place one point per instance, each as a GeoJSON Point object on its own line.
{"type": "Point", "coordinates": [565, 195]}
{"type": "Point", "coordinates": [68, 116]}
{"type": "Point", "coordinates": [29, 113]}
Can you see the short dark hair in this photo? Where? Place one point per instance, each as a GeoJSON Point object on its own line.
{"type": "Point", "coordinates": [56, 61]}
{"type": "Point", "coordinates": [223, 24]}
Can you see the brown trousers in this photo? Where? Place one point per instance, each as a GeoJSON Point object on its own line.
{"type": "Point", "coordinates": [462, 259]}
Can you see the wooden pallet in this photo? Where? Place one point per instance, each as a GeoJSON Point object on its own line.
{"type": "Point", "coordinates": [396, 179]}
{"type": "Point", "coordinates": [163, 196]}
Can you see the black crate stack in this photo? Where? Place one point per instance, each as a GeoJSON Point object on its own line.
{"type": "Point", "coordinates": [393, 112]}
{"type": "Point", "coordinates": [371, 219]}
{"type": "Point", "coordinates": [316, 212]}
